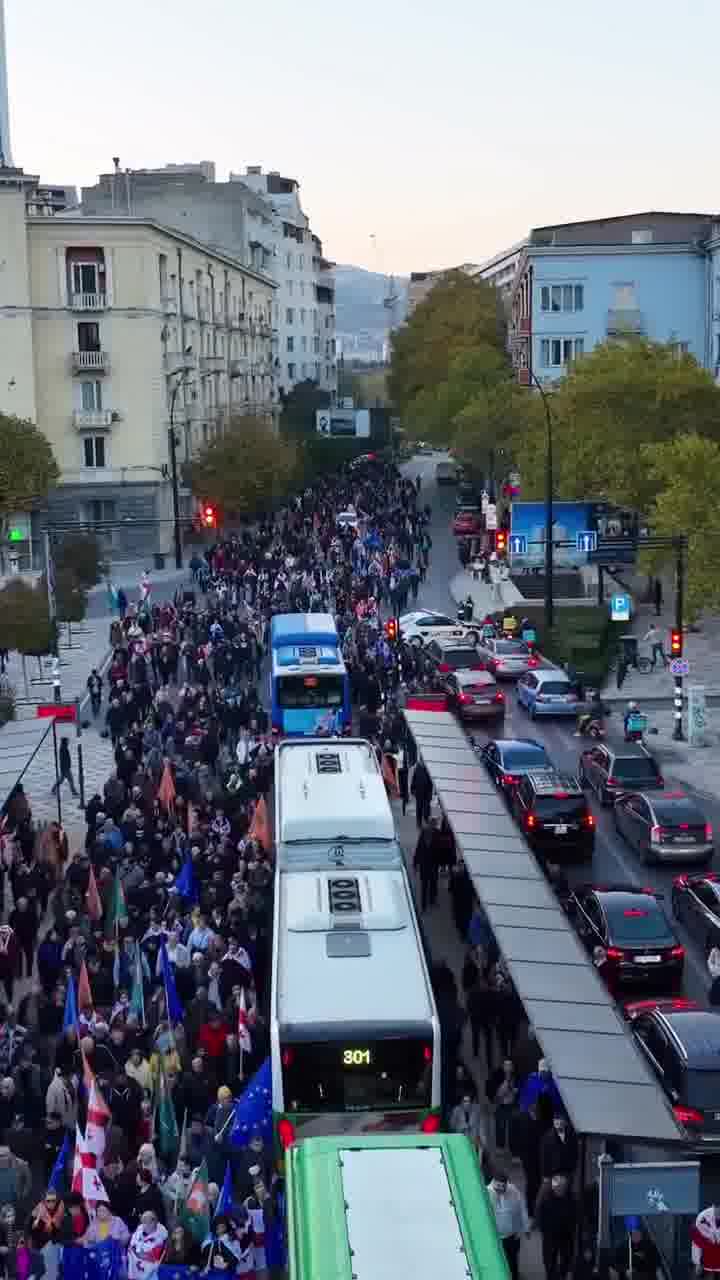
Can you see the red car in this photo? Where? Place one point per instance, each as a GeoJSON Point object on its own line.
{"type": "Point", "coordinates": [467, 524]}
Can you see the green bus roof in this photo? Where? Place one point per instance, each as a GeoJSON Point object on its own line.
{"type": "Point", "coordinates": [370, 1207]}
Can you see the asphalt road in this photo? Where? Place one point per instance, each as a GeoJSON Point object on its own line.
{"type": "Point", "coordinates": [613, 861]}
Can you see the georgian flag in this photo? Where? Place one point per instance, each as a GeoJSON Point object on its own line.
{"type": "Point", "coordinates": [98, 1119]}
{"type": "Point", "coordinates": [244, 1039]}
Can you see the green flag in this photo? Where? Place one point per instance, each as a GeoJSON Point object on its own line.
{"type": "Point", "coordinates": [166, 1120]}
{"type": "Point", "coordinates": [117, 909]}
{"type": "Point", "coordinates": [195, 1213]}
{"type": "Point", "coordinates": [137, 995]}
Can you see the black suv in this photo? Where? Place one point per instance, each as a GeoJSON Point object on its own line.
{"type": "Point", "coordinates": [681, 1042]}
{"type": "Point", "coordinates": [554, 815]}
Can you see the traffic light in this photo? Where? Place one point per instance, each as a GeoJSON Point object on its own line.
{"type": "Point", "coordinates": [391, 630]}
{"type": "Point", "coordinates": [676, 643]}
{"type": "Point", "coordinates": [501, 541]}
{"type": "Point", "coordinates": [209, 516]}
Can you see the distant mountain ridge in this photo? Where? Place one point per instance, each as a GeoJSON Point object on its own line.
{"type": "Point", "coordinates": [361, 317]}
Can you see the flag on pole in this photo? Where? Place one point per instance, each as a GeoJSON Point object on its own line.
{"type": "Point", "coordinates": [243, 1031]}
{"type": "Point", "coordinates": [57, 1174]}
{"type": "Point", "coordinates": [70, 1016]}
{"type": "Point", "coordinates": [183, 1148]}
{"type": "Point", "coordinates": [93, 899]}
{"type": "Point", "coordinates": [253, 1109]}
{"type": "Point", "coordinates": [225, 1204]}
{"type": "Point", "coordinates": [76, 1184]}
{"type": "Point", "coordinates": [185, 882]}
{"type": "Point", "coordinates": [84, 991]}
{"type": "Point", "coordinates": [166, 790]}
{"type": "Point", "coordinates": [137, 995]}
{"type": "Point", "coordinates": [116, 915]}
{"type": "Point", "coordinates": [98, 1119]}
{"type": "Point", "coordinates": [175, 1009]}
{"type": "Point", "coordinates": [167, 1129]}
{"type": "Point", "coordinates": [260, 826]}
{"type": "Point", "coordinates": [195, 1213]}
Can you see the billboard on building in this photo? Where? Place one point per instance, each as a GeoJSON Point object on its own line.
{"type": "Point", "coordinates": [570, 519]}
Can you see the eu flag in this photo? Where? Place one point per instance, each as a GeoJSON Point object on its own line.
{"type": "Point", "coordinates": [185, 882]}
{"type": "Point", "coordinates": [174, 1005]}
{"type": "Point", "coordinates": [253, 1109]}
{"type": "Point", "coordinates": [58, 1169]}
{"type": "Point", "coordinates": [70, 1016]}
{"type": "Point", "coordinates": [224, 1204]}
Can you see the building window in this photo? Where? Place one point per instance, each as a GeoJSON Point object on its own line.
{"type": "Point", "coordinates": [94, 451]}
{"type": "Point", "coordinates": [316, 345]}
{"type": "Point", "coordinates": [289, 287]}
{"type": "Point", "coordinates": [91, 395]}
{"type": "Point", "coordinates": [642, 235]}
{"type": "Point", "coordinates": [291, 372]}
{"type": "Point", "coordinates": [288, 261]}
{"type": "Point", "coordinates": [555, 352]}
{"type": "Point", "coordinates": [562, 297]}
{"type": "Point", "coordinates": [302, 288]}
{"type": "Point", "coordinates": [301, 261]}
{"type": "Point", "coordinates": [304, 343]}
{"type": "Point", "coordinates": [289, 315]}
{"type": "Point", "coordinates": [88, 335]}
{"type": "Point", "coordinates": [290, 343]}
{"type": "Point", "coordinates": [85, 277]}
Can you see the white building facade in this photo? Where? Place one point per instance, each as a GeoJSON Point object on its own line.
{"type": "Point", "coordinates": [305, 301]}
{"type": "Point", "coordinates": [5, 149]}
{"type": "Point", "coordinates": [111, 330]}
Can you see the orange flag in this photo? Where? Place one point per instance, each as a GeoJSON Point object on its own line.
{"type": "Point", "coordinates": [93, 899]}
{"type": "Point", "coordinates": [389, 773]}
{"type": "Point", "coordinates": [166, 791]}
{"type": "Point", "coordinates": [84, 994]}
{"type": "Point", "coordinates": [260, 826]}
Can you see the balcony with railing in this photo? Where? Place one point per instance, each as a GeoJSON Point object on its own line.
{"type": "Point", "coordinates": [88, 301]}
{"type": "Point", "coordinates": [93, 419]}
{"type": "Point", "coordinates": [169, 304]}
{"type": "Point", "coordinates": [624, 320]}
{"type": "Point", "coordinates": [178, 362]}
{"type": "Point", "coordinates": [212, 364]}
{"type": "Point", "coordinates": [90, 362]}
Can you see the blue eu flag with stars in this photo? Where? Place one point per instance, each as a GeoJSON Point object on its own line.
{"type": "Point", "coordinates": [253, 1109]}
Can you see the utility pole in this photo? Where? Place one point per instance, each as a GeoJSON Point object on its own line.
{"type": "Point", "coordinates": [172, 450]}
{"type": "Point", "coordinates": [549, 521]}
{"type": "Point", "coordinates": [679, 609]}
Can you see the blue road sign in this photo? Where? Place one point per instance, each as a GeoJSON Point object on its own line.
{"type": "Point", "coordinates": [619, 608]}
{"type": "Point", "coordinates": [518, 544]}
{"type": "Point", "coordinates": [587, 540]}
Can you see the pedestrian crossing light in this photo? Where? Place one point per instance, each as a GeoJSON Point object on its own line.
{"type": "Point", "coordinates": [391, 629]}
{"type": "Point", "coordinates": [501, 541]}
{"type": "Point", "coordinates": [209, 516]}
{"type": "Point", "coordinates": [676, 643]}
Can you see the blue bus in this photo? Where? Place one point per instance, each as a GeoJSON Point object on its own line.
{"type": "Point", "coordinates": [309, 684]}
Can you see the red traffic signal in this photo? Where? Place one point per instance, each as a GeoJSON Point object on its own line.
{"type": "Point", "coordinates": [391, 629]}
{"type": "Point", "coordinates": [676, 643]}
{"type": "Point", "coordinates": [501, 541]}
{"type": "Point", "coordinates": [209, 516]}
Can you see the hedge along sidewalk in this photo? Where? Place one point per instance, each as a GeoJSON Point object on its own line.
{"type": "Point", "coordinates": [90, 648]}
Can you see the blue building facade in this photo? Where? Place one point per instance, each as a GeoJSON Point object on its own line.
{"type": "Point", "coordinates": [652, 275]}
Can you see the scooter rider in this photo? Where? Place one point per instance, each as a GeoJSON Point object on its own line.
{"type": "Point", "coordinates": [593, 713]}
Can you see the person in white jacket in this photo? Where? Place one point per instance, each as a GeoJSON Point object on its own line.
{"type": "Point", "coordinates": [511, 1218]}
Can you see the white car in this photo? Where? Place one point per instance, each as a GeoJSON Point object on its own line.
{"type": "Point", "coordinates": [426, 624]}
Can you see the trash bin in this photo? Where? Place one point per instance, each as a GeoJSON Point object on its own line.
{"type": "Point", "coordinates": [159, 560]}
{"type": "Point", "coordinates": [629, 650]}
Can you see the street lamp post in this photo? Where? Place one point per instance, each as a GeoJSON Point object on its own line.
{"type": "Point", "coordinates": [172, 449]}
{"type": "Point", "coordinates": [549, 606]}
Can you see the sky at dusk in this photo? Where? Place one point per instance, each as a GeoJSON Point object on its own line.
{"type": "Point", "coordinates": [446, 130]}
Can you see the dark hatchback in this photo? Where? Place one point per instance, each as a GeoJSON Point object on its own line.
{"type": "Point", "coordinates": [612, 770]}
{"type": "Point", "coordinates": [696, 904]}
{"type": "Point", "coordinates": [631, 928]}
{"type": "Point", "coordinates": [507, 760]}
{"type": "Point", "coordinates": [681, 1043]}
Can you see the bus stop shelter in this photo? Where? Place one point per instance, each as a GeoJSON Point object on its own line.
{"type": "Point", "coordinates": [607, 1089]}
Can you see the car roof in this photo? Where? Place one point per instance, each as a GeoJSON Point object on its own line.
{"type": "Point", "coordinates": [465, 675]}
{"type": "Point", "coordinates": [627, 897]}
{"type": "Point", "coordinates": [511, 743]}
{"type": "Point", "coordinates": [550, 781]}
{"type": "Point", "coordinates": [552, 673]}
{"type": "Point", "coordinates": [698, 1031]}
{"type": "Point", "coordinates": [454, 642]}
{"type": "Point", "coordinates": [625, 750]}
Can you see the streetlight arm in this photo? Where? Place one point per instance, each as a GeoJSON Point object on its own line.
{"type": "Point", "coordinates": [549, 603]}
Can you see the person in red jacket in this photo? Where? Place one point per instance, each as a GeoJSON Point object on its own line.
{"type": "Point", "coordinates": [705, 1237]}
{"type": "Point", "coordinates": [212, 1037]}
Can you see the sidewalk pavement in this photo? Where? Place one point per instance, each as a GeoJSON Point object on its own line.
{"type": "Point", "coordinates": [85, 647]}
{"type": "Point", "coordinates": [487, 598]}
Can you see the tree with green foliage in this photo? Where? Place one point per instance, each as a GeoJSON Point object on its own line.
{"type": "Point", "coordinates": [685, 474]}
{"type": "Point", "coordinates": [245, 470]}
{"type": "Point", "coordinates": [459, 315]}
{"type": "Point", "coordinates": [82, 556]}
{"type": "Point", "coordinates": [300, 406]}
{"type": "Point", "coordinates": [618, 398]}
{"type": "Point", "coordinates": [25, 621]}
{"type": "Point", "coordinates": [71, 599]}
{"type": "Point", "coordinates": [27, 467]}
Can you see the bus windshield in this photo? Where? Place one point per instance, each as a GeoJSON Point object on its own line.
{"type": "Point", "coordinates": [298, 691]}
{"type": "Point", "coordinates": [357, 1077]}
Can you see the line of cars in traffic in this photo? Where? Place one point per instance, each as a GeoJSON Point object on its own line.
{"type": "Point", "coordinates": [624, 928]}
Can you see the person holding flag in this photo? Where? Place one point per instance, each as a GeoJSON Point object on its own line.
{"type": "Point", "coordinates": [147, 1247]}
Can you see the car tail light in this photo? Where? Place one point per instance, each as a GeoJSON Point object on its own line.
{"type": "Point", "coordinates": [431, 1124]}
{"type": "Point", "coordinates": [499, 697]}
{"type": "Point", "coordinates": [287, 1057]}
{"type": "Point", "coordinates": [589, 820]}
{"type": "Point", "coordinates": [533, 662]}
{"type": "Point", "coordinates": [612, 782]}
{"type": "Point", "coordinates": [465, 698]}
{"type": "Point", "coordinates": [499, 662]}
{"type": "Point", "coordinates": [276, 728]}
{"type": "Point", "coordinates": [286, 1133]}
{"type": "Point", "coordinates": [443, 666]}
{"type": "Point", "coordinates": [427, 1053]}
{"type": "Point", "coordinates": [509, 780]}
{"type": "Point", "coordinates": [677, 953]}
{"type": "Point", "coordinates": [615, 953]}
{"type": "Point", "coordinates": [530, 821]}
{"type": "Point", "coordinates": [708, 831]}
{"type": "Point", "coordinates": [689, 1116]}
{"type": "Point", "coordinates": [680, 882]}
{"type": "Point", "coordinates": [560, 795]}
{"type": "Point", "coordinates": [684, 826]}
{"type": "Point", "coordinates": [655, 835]}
